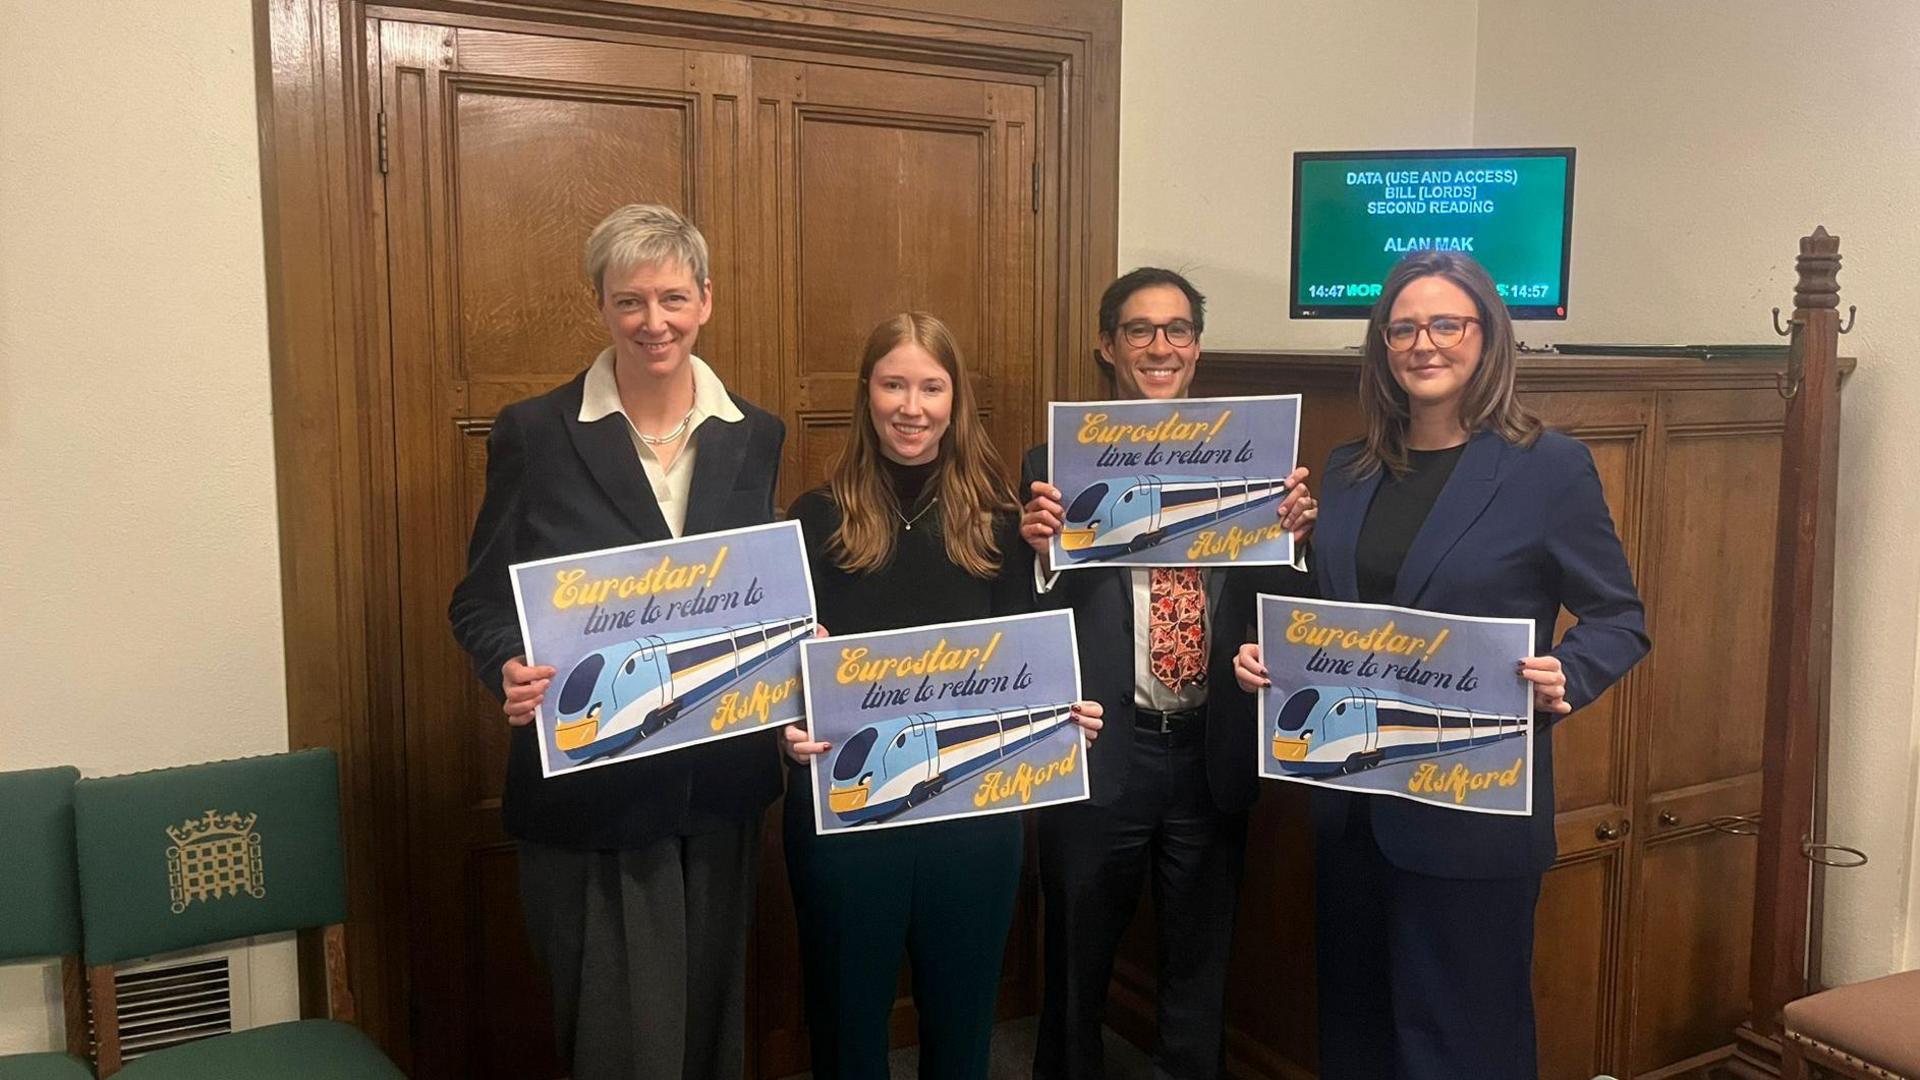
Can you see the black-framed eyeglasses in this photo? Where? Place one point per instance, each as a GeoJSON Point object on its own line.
{"type": "Point", "coordinates": [1445, 331]}
{"type": "Point", "coordinates": [1139, 333]}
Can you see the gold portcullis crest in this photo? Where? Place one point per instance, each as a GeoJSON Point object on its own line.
{"type": "Point", "coordinates": [212, 856]}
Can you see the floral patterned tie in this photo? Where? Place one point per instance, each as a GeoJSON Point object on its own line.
{"type": "Point", "coordinates": [1177, 636]}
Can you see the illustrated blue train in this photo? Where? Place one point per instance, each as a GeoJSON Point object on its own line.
{"type": "Point", "coordinates": [1126, 514]}
{"type": "Point", "coordinates": [616, 696]}
{"type": "Point", "coordinates": [886, 768]}
{"type": "Point", "coordinates": [1329, 730]}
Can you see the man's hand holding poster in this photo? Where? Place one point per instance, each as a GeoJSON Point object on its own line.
{"type": "Point", "coordinates": [664, 645]}
{"type": "Point", "coordinates": [937, 722]}
{"type": "Point", "coordinates": [1396, 701]}
{"type": "Point", "coordinates": [1187, 482]}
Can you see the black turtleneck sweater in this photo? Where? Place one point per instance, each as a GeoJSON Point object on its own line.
{"type": "Point", "coordinates": [920, 585]}
{"type": "Point", "coordinates": [1400, 506]}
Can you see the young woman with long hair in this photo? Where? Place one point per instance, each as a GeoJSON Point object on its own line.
{"type": "Point", "coordinates": [1456, 500]}
{"type": "Point", "coordinates": [916, 525]}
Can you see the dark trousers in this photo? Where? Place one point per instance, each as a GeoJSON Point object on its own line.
{"type": "Point", "coordinates": [646, 951]}
{"type": "Point", "coordinates": [1093, 862]}
{"type": "Point", "coordinates": [1421, 978]}
{"type": "Point", "coordinates": [942, 894]}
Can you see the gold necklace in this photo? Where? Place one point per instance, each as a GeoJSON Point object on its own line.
{"type": "Point", "coordinates": [908, 521]}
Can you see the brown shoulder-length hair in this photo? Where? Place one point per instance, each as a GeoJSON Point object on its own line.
{"type": "Point", "coordinates": [1488, 403]}
{"type": "Point", "coordinates": [969, 480]}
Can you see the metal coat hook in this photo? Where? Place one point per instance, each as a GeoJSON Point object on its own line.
{"type": "Point", "coordinates": [1851, 312]}
{"type": "Point", "coordinates": [1786, 331]}
{"type": "Point", "coordinates": [1819, 853]}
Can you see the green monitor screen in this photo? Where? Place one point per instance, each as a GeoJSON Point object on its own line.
{"type": "Point", "coordinates": [1355, 214]}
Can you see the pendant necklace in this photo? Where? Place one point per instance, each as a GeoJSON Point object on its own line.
{"type": "Point", "coordinates": [908, 521]}
{"type": "Point", "coordinates": [671, 436]}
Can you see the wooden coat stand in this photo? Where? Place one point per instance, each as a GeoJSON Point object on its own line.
{"type": "Point", "coordinates": [1793, 848]}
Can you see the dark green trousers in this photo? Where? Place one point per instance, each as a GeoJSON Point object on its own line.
{"type": "Point", "coordinates": [942, 894]}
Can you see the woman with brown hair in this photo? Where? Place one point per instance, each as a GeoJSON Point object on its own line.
{"type": "Point", "coordinates": [1455, 501]}
{"type": "Point", "coordinates": [916, 525]}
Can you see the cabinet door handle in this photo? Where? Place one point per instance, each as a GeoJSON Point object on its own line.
{"type": "Point", "coordinates": [1608, 831]}
{"type": "Point", "coordinates": [1669, 818]}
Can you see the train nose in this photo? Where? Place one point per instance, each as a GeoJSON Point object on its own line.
{"type": "Point", "coordinates": [845, 800]}
{"type": "Point", "coordinates": [571, 735]}
{"type": "Point", "coordinates": [1285, 749]}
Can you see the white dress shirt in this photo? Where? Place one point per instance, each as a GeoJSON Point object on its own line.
{"type": "Point", "coordinates": [600, 398]}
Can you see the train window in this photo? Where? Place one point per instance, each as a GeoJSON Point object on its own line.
{"type": "Point", "coordinates": [853, 755]}
{"type": "Point", "coordinates": [580, 684]}
{"type": "Point", "coordinates": [1298, 707]}
{"type": "Point", "coordinates": [1128, 497]}
{"type": "Point", "coordinates": [1340, 709]}
{"type": "Point", "coordinates": [1085, 503]}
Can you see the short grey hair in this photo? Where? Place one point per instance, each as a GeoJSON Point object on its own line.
{"type": "Point", "coordinates": [642, 233]}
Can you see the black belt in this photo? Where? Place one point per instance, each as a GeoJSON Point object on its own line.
{"type": "Point", "coordinates": [1172, 722]}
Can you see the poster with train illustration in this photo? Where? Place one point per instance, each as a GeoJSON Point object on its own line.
{"type": "Point", "coordinates": [1396, 701]}
{"type": "Point", "coordinates": [1188, 482]}
{"type": "Point", "coordinates": [939, 722]}
{"type": "Point", "coordinates": [664, 645]}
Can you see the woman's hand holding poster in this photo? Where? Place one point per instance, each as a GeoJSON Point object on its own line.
{"type": "Point", "coordinates": [1186, 482]}
{"type": "Point", "coordinates": [664, 645]}
{"type": "Point", "coordinates": [1395, 701]}
{"type": "Point", "coordinates": [936, 722]}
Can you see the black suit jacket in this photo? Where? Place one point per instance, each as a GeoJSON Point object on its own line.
{"type": "Point", "coordinates": [556, 486]}
{"type": "Point", "coordinates": [1102, 603]}
{"type": "Point", "coordinates": [1517, 532]}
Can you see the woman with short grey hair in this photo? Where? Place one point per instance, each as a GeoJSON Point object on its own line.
{"type": "Point", "coordinates": [637, 881]}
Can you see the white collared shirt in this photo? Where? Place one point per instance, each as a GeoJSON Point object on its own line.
{"type": "Point", "coordinates": [600, 398]}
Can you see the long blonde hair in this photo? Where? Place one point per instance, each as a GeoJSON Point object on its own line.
{"type": "Point", "coordinates": [1488, 402]}
{"type": "Point", "coordinates": [969, 479]}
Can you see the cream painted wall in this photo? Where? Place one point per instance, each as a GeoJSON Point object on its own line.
{"type": "Point", "coordinates": [1712, 134]}
{"type": "Point", "coordinates": [1711, 137]}
{"type": "Point", "coordinates": [138, 568]}
{"type": "Point", "coordinates": [1216, 95]}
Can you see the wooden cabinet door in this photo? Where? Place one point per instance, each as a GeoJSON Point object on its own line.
{"type": "Point", "coordinates": [502, 152]}
{"type": "Point", "coordinates": [1709, 615]}
{"type": "Point", "coordinates": [831, 196]}
{"type": "Point", "coordinates": [1578, 978]}
{"type": "Point", "coordinates": [885, 191]}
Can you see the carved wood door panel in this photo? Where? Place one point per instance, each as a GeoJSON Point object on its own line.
{"type": "Point", "coordinates": [1705, 720]}
{"type": "Point", "coordinates": [831, 195]}
{"type": "Point", "coordinates": [1579, 982]}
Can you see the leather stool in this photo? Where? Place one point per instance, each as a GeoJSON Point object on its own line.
{"type": "Point", "coordinates": [1867, 1031]}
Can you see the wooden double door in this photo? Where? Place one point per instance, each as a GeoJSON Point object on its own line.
{"type": "Point", "coordinates": [833, 192]}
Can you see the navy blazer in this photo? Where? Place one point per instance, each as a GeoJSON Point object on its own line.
{"type": "Point", "coordinates": [557, 486]}
{"type": "Point", "coordinates": [1517, 532]}
{"type": "Point", "coordinates": [1101, 599]}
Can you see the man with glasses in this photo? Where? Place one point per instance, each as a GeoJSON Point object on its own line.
{"type": "Point", "coordinates": [1173, 775]}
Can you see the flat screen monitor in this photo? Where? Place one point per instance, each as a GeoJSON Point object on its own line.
{"type": "Point", "coordinates": [1357, 213]}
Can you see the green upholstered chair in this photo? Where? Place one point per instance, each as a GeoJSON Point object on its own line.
{"type": "Point", "coordinates": [204, 854]}
{"type": "Point", "coordinates": [40, 906]}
